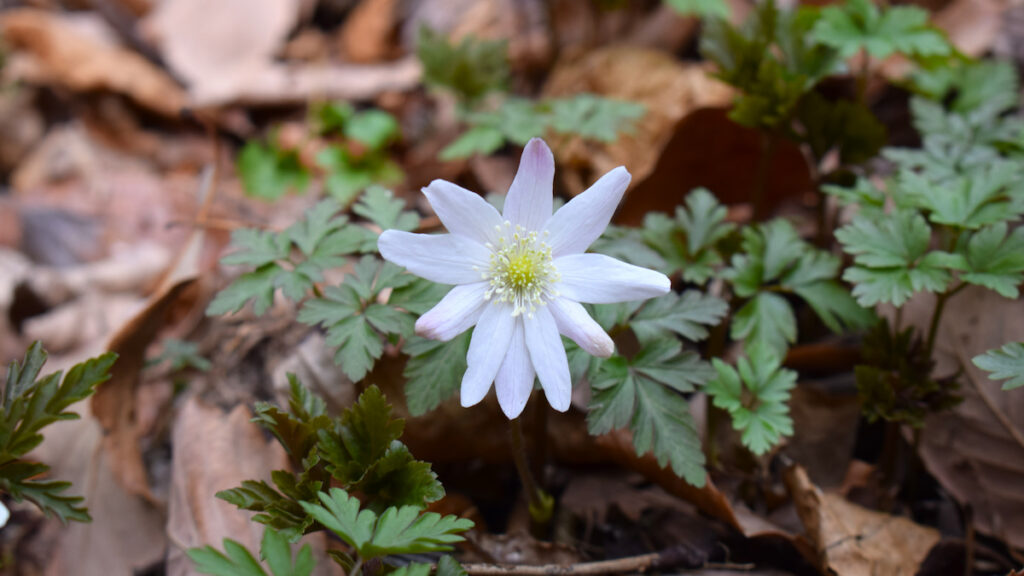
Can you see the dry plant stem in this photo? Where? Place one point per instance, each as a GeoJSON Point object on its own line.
{"type": "Point", "coordinates": [713, 416]}
{"type": "Point", "coordinates": [537, 499]}
{"type": "Point", "coordinates": [863, 77]}
{"type": "Point", "coordinates": [618, 566]}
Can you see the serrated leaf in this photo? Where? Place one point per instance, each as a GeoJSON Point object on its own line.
{"type": "Point", "coordinates": [995, 260]}
{"type": "Point", "coordinates": [687, 243]}
{"type": "Point", "coordinates": [890, 252]}
{"type": "Point", "coordinates": [638, 393]}
{"type": "Point", "coordinates": [404, 530]}
{"type": "Point", "coordinates": [756, 396]}
{"type": "Point", "coordinates": [354, 320]}
{"type": "Point", "coordinates": [380, 206]}
{"type": "Point", "coordinates": [593, 117]}
{"type": "Point", "coordinates": [238, 561]}
{"type": "Point", "coordinates": [1006, 363]}
{"type": "Point", "coordinates": [482, 139]}
{"type": "Point", "coordinates": [689, 315]}
{"type": "Point", "coordinates": [30, 403]}
{"type": "Point", "coordinates": [767, 318]}
{"type": "Point", "coordinates": [373, 128]}
{"type": "Point", "coordinates": [859, 24]}
{"type": "Point", "coordinates": [434, 371]}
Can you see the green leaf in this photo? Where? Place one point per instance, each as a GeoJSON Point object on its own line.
{"type": "Point", "coordinates": [859, 24]}
{"type": "Point", "coordinates": [768, 319]}
{"type": "Point", "coordinates": [180, 355]}
{"type": "Point", "coordinates": [447, 566]}
{"type": "Point", "coordinates": [483, 140]}
{"type": "Point", "coordinates": [355, 322]}
{"type": "Point", "coordinates": [756, 397]}
{"type": "Point", "coordinates": [995, 260]}
{"type": "Point", "coordinates": [842, 125]}
{"type": "Point", "coordinates": [769, 249]}
{"type": "Point", "coordinates": [31, 403]}
{"type": "Point", "coordinates": [1006, 363]}
{"type": "Point", "coordinates": [593, 117]}
{"type": "Point", "coordinates": [687, 243]}
{"type": "Point", "coordinates": [813, 279]}
{"type": "Point", "coordinates": [984, 196]}
{"type": "Point", "coordinates": [709, 8]}
{"type": "Point", "coordinates": [269, 173]}
{"type": "Point", "coordinates": [689, 316]}
{"type": "Point", "coordinates": [434, 371]}
{"type": "Point", "coordinates": [374, 128]}
{"type": "Point", "coordinates": [322, 239]}
{"type": "Point", "coordinates": [638, 393]}
{"type": "Point", "coordinates": [890, 251]}
{"type": "Point", "coordinates": [238, 561]}
{"type": "Point", "coordinates": [380, 206]}
{"type": "Point", "coordinates": [470, 69]}
{"type": "Point", "coordinates": [404, 530]}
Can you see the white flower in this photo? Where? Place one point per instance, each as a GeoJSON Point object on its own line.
{"type": "Point", "coordinates": [520, 278]}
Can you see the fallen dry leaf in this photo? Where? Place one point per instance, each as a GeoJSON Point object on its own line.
{"type": "Point", "coordinates": [61, 54]}
{"type": "Point", "coordinates": [851, 541]}
{"type": "Point", "coordinates": [669, 90]}
{"type": "Point", "coordinates": [114, 401]}
{"type": "Point", "coordinates": [976, 451]}
{"type": "Point", "coordinates": [237, 40]}
{"type": "Point", "coordinates": [214, 451]}
{"type": "Point", "coordinates": [368, 33]}
{"type": "Point", "coordinates": [972, 25]}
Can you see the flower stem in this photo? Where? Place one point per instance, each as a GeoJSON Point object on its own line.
{"type": "Point", "coordinates": [764, 163]}
{"type": "Point", "coordinates": [933, 328]}
{"type": "Point", "coordinates": [542, 505]}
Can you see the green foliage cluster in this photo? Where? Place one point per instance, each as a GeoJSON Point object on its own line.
{"type": "Point", "coordinates": [30, 403]}
{"type": "Point", "coordinates": [359, 450]}
{"type": "Point", "coordinates": [641, 390]}
{"type": "Point", "coordinates": [355, 158]}
{"type": "Point", "coordinates": [861, 25]}
{"type": "Point", "coordinates": [474, 69]}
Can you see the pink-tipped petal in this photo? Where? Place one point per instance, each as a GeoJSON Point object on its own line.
{"type": "Point", "coordinates": [514, 382]}
{"type": "Point", "coordinates": [600, 279]}
{"type": "Point", "coordinates": [444, 258]}
{"type": "Point", "coordinates": [547, 353]}
{"type": "Point", "coordinates": [487, 350]}
{"type": "Point", "coordinates": [462, 212]}
{"type": "Point", "coordinates": [574, 322]}
{"type": "Point", "coordinates": [583, 219]}
{"type": "Point", "coordinates": [529, 200]}
{"type": "Point", "coordinates": [457, 312]}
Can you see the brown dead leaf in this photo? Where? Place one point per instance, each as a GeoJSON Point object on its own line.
{"type": "Point", "coordinates": [707, 149]}
{"type": "Point", "coordinates": [114, 401]}
{"type": "Point", "coordinates": [972, 25]}
{"type": "Point", "coordinates": [851, 541]}
{"type": "Point", "coordinates": [214, 451]}
{"type": "Point", "coordinates": [61, 54]}
{"type": "Point", "coordinates": [237, 40]}
{"type": "Point", "coordinates": [368, 33]}
{"type": "Point", "coordinates": [670, 90]}
{"type": "Point", "coordinates": [976, 451]}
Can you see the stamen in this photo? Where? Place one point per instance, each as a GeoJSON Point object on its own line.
{"type": "Point", "coordinates": [522, 271]}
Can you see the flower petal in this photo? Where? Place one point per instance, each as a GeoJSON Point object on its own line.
{"type": "Point", "coordinates": [573, 321]}
{"type": "Point", "coordinates": [444, 258]}
{"type": "Point", "coordinates": [457, 312]}
{"type": "Point", "coordinates": [487, 350]}
{"type": "Point", "coordinates": [529, 200]}
{"type": "Point", "coordinates": [600, 279]}
{"type": "Point", "coordinates": [514, 382]}
{"type": "Point", "coordinates": [463, 212]}
{"type": "Point", "coordinates": [577, 224]}
{"type": "Point", "coordinates": [548, 357]}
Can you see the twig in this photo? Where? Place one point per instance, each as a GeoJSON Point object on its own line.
{"type": "Point", "coordinates": [617, 566]}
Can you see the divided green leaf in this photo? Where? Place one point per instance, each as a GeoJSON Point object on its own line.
{"type": "Point", "coordinates": [1006, 363]}
{"type": "Point", "coordinates": [31, 403]}
{"type": "Point", "coordinates": [756, 396]}
{"type": "Point", "coordinates": [859, 24]}
{"type": "Point", "coordinates": [237, 561]}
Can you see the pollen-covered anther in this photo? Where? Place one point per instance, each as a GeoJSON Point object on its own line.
{"type": "Point", "coordinates": [522, 271]}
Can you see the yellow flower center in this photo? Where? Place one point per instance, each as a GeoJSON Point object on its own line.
{"type": "Point", "coordinates": [521, 272]}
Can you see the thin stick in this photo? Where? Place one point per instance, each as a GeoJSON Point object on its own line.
{"type": "Point", "coordinates": [617, 566]}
